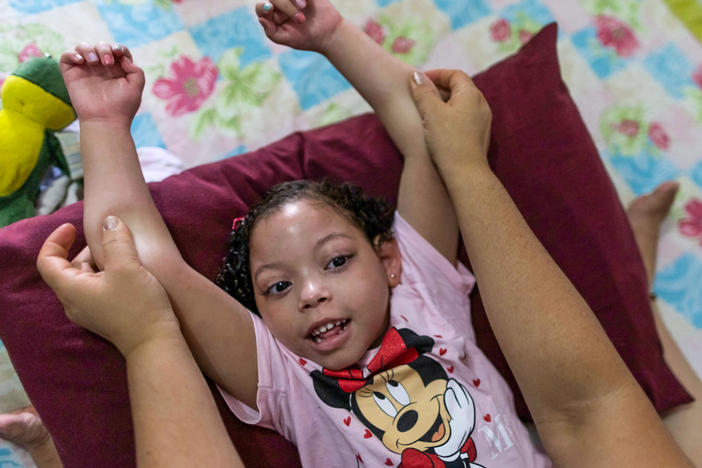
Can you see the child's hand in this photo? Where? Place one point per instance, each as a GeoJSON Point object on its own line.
{"type": "Point", "coordinates": [457, 131]}
{"type": "Point", "coordinates": [124, 303]}
{"type": "Point", "coordinates": [102, 82]}
{"type": "Point", "coordinates": [301, 24]}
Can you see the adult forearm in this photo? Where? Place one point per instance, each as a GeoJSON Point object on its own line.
{"type": "Point", "coordinates": [545, 328]}
{"type": "Point", "coordinates": [114, 185]}
{"type": "Point", "coordinates": [176, 422]}
{"type": "Point", "coordinates": [577, 387]}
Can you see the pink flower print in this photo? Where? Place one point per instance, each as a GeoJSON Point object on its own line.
{"type": "Point", "coordinates": [29, 51]}
{"type": "Point", "coordinates": [697, 76]}
{"type": "Point", "coordinates": [614, 33]}
{"type": "Point", "coordinates": [402, 45]}
{"type": "Point", "coordinates": [691, 226]}
{"type": "Point", "coordinates": [525, 35]}
{"type": "Point", "coordinates": [628, 127]}
{"type": "Point", "coordinates": [375, 31]}
{"type": "Point", "coordinates": [500, 30]}
{"type": "Point", "coordinates": [189, 86]}
{"type": "Point", "coordinates": [658, 136]}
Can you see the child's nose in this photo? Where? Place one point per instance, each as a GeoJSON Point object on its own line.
{"type": "Point", "coordinates": [313, 294]}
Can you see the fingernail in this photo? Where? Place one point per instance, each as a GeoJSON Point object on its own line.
{"type": "Point", "coordinates": [117, 47]}
{"type": "Point", "coordinates": [92, 57]}
{"type": "Point", "coordinates": [268, 6]}
{"type": "Point", "coordinates": [79, 57]}
{"type": "Point", "coordinates": [110, 223]}
{"type": "Point", "coordinates": [301, 3]}
{"type": "Point", "coordinates": [299, 17]}
{"type": "Point", "coordinates": [107, 59]}
{"type": "Point", "coordinates": [418, 78]}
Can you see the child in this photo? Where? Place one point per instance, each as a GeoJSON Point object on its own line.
{"type": "Point", "coordinates": [363, 353]}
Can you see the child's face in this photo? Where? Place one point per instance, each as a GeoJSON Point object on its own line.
{"type": "Point", "coordinates": [312, 267]}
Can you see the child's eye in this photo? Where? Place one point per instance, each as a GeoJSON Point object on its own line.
{"type": "Point", "coordinates": [338, 262]}
{"type": "Point", "coordinates": [278, 287]}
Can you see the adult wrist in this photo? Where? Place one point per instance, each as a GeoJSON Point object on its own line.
{"type": "Point", "coordinates": [155, 339]}
{"type": "Point", "coordinates": [461, 170]}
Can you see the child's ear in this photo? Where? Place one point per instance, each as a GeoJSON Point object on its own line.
{"type": "Point", "coordinates": [389, 254]}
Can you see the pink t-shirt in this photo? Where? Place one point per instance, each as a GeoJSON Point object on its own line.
{"type": "Point", "coordinates": [427, 396]}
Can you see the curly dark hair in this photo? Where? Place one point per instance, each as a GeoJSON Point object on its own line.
{"type": "Point", "coordinates": [371, 215]}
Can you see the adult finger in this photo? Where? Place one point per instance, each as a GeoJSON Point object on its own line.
{"type": "Point", "coordinates": [426, 96]}
{"type": "Point", "coordinates": [52, 260]}
{"type": "Point", "coordinates": [82, 257]}
{"type": "Point", "coordinates": [84, 261]}
{"type": "Point", "coordinates": [117, 244]}
{"type": "Point", "coordinates": [452, 80]}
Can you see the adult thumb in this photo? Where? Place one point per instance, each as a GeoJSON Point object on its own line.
{"type": "Point", "coordinates": [426, 96]}
{"type": "Point", "coordinates": [117, 244]}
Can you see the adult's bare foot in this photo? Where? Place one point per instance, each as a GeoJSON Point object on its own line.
{"type": "Point", "coordinates": [646, 214]}
{"type": "Point", "coordinates": [25, 429]}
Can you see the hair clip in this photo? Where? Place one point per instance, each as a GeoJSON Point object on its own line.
{"type": "Point", "coordinates": [237, 220]}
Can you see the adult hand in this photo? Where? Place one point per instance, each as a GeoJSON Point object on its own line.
{"type": "Point", "coordinates": [457, 126]}
{"type": "Point", "coordinates": [103, 83]}
{"type": "Point", "coordinates": [124, 303]}
{"type": "Point", "coordinates": [301, 24]}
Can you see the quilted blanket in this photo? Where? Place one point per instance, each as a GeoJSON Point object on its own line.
{"type": "Point", "coordinates": [216, 87]}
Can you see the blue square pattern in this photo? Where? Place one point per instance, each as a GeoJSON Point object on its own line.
{"type": "Point", "coordinates": [139, 24]}
{"type": "Point", "coordinates": [671, 68]}
{"type": "Point", "coordinates": [679, 285]}
{"type": "Point", "coordinates": [241, 149]}
{"type": "Point", "coordinates": [238, 28]}
{"type": "Point", "coordinates": [643, 172]}
{"type": "Point", "coordinates": [312, 77]}
{"type": "Point", "coordinates": [8, 460]}
{"type": "Point", "coordinates": [463, 12]}
{"type": "Point", "coordinates": [532, 9]}
{"type": "Point", "coordinates": [145, 132]}
{"type": "Point", "coordinates": [37, 6]}
{"type": "Point", "coordinates": [696, 174]}
{"type": "Point", "coordinates": [604, 61]}
{"type": "Point", "coordinates": [384, 3]}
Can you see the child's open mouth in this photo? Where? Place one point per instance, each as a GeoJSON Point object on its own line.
{"type": "Point", "coordinates": [328, 330]}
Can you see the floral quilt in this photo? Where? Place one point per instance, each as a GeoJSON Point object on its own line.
{"type": "Point", "coordinates": [216, 87]}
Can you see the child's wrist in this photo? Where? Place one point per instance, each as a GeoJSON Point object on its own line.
{"type": "Point", "coordinates": [114, 123]}
{"type": "Point", "coordinates": [334, 39]}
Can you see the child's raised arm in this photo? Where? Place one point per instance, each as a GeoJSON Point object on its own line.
{"type": "Point", "coordinates": [588, 408]}
{"type": "Point", "coordinates": [105, 89]}
{"type": "Point", "coordinates": [382, 80]}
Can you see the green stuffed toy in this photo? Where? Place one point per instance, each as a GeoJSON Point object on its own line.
{"type": "Point", "coordinates": [35, 104]}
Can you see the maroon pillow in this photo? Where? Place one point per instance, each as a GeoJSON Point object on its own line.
{"type": "Point", "coordinates": [540, 149]}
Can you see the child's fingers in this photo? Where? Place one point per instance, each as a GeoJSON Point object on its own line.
{"type": "Point", "coordinates": [119, 51]}
{"type": "Point", "coordinates": [104, 51]}
{"type": "Point", "coordinates": [267, 25]}
{"type": "Point", "coordinates": [286, 9]}
{"type": "Point", "coordinates": [134, 73]}
{"type": "Point", "coordinates": [71, 58]}
{"type": "Point", "coordinates": [88, 52]}
{"type": "Point", "coordinates": [264, 9]}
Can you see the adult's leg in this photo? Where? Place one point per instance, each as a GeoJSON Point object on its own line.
{"type": "Point", "coordinates": [25, 429]}
{"type": "Point", "coordinates": [646, 214]}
